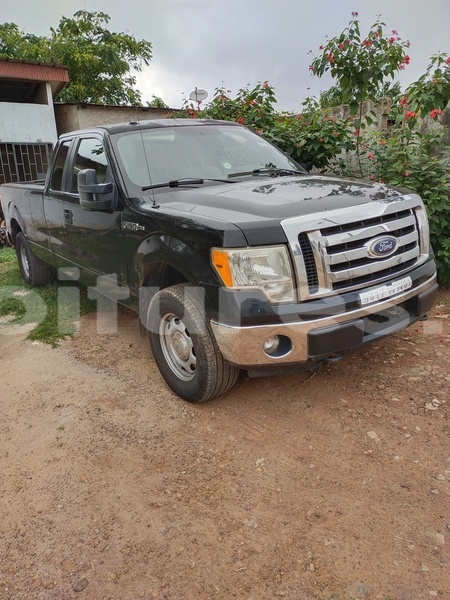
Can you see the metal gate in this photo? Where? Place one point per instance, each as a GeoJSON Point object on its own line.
{"type": "Point", "coordinates": [23, 162]}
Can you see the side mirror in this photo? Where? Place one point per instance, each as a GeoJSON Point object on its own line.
{"type": "Point", "coordinates": [94, 195]}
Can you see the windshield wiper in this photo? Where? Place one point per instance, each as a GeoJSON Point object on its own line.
{"type": "Point", "coordinates": [174, 183]}
{"type": "Point", "coordinates": [184, 181]}
{"type": "Point", "coordinates": [274, 172]}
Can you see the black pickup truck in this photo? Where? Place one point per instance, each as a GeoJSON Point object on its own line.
{"type": "Point", "coordinates": [235, 257]}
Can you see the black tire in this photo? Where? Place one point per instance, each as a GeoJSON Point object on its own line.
{"type": "Point", "coordinates": [184, 347]}
{"type": "Point", "coordinates": [34, 271]}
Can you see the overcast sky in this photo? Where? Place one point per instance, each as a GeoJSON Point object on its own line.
{"type": "Point", "coordinates": [210, 43]}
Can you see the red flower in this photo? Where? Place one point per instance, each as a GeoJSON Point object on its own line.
{"type": "Point", "coordinates": [407, 173]}
{"type": "Point", "coordinates": [435, 113]}
{"type": "Point", "coordinates": [356, 132]}
{"type": "Point", "coordinates": [448, 61]}
{"type": "Point", "coordinates": [335, 133]}
{"type": "Point", "coordinates": [370, 155]}
{"type": "Point", "coordinates": [391, 40]}
{"type": "Point", "coordinates": [240, 120]}
{"type": "Point", "coordinates": [404, 101]}
{"type": "Point", "coordinates": [330, 57]}
{"type": "Point", "coordinates": [382, 142]}
{"type": "Point", "coordinates": [409, 114]}
{"type": "Point", "coordinates": [320, 47]}
{"type": "Point", "coordinates": [406, 59]}
{"type": "Point", "coordinates": [311, 68]}
{"type": "Point", "coordinates": [320, 139]}
{"type": "Point", "coordinates": [355, 14]}
{"type": "Point", "coordinates": [341, 46]}
{"type": "Point", "coordinates": [394, 32]}
{"type": "Point", "coordinates": [372, 176]}
{"type": "Point", "coordinates": [367, 43]}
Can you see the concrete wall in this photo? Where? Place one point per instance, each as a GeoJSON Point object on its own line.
{"type": "Point", "coordinates": [70, 117]}
{"type": "Point", "coordinates": [23, 123]}
{"type": "Point", "coordinates": [381, 110]}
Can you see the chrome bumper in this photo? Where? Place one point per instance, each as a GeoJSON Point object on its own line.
{"type": "Point", "coordinates": [243, 346]}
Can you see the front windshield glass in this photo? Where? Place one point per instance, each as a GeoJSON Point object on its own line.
{"type": "Point", "coordinates": [155, 156]}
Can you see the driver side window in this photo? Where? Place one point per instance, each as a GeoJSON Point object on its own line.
{"type": "Point", "coordinates": [90, 155]}
{"type": "Point", "coordinates": [56, 182]}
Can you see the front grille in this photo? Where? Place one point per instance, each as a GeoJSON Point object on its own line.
{"type": "Point", "coordinates": [332, 252]}
{"type": "Point", "coordinates": [310, 263]}
{"type": "Point", "coordinates": [346, 259]}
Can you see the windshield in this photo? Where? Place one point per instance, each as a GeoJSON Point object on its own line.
{"type": "Point", "coordinates": [155, 156]}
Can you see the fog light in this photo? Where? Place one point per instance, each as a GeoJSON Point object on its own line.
{"type": "Point", "coordinates": [271, 344]}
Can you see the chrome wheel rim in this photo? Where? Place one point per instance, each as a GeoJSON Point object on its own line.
{"type": "Point", "coordinates": [177, 347]}
{"type": "Point", "coordinates": [24, 261]}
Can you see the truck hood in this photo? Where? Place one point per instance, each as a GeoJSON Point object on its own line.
{"type": "Point", "coordinates": [257, 206]}
{"type": "Point", "coordinates": [274, 198]}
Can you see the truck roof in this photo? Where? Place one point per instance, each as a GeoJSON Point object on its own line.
{"type": "Point", "coordinates": [151, 124]}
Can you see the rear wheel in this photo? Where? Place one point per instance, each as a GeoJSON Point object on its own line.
{"type": "Point", "coordinates": [184, 347]}
{"type": "Point", "coordinates": [34, 270]}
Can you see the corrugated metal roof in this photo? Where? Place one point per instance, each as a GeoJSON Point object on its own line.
{"type": "Point", "coordinates": [21, 69]}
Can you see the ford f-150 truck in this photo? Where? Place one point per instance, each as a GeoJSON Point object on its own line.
{"type": "Point", "coordinates": [235, 257]}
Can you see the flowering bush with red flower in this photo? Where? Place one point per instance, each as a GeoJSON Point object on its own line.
{"type": "Point", "coordinates": [361, 65]}
{"type": "Point", "coordinates": [432, 90]}
{"type": "Point", "coordinates": [350, 57]}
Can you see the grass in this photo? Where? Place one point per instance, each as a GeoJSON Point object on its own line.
{"type": "Point", "coordinates": [24, 304]}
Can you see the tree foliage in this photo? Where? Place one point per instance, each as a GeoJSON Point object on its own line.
{"type": "Point", "coordinates": [157, 102]}
{"type": "Point", "coordinates": [360, 64]}
{"type": "Point", "coordinates": [431, 92]}
{"type": "Point", "coordinates": [99, 62]}
{"type": "Point", "coordinates": [334, 95]}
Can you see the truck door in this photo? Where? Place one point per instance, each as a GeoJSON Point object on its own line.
{"type": "Point", "coordinates": [92, 238]}
{"type": "Point", "coordinates": [53, 198]}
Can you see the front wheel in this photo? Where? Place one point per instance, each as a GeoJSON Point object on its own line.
{"type": "Point", "coordinates": [34, 270]}
{"type": "Point", "coordinates": [184, 347]}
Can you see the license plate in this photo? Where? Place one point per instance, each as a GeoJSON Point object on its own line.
{"type": "Point", "coordinates": [385, 291]}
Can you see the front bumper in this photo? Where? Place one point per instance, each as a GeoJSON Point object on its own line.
{"type": "Point", "coordinates": [316, 339]}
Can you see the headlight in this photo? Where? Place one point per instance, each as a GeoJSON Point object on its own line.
{"type": "Point", "coordinates": [267, 268]}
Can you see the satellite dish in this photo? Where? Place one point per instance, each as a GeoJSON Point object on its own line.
{"type": "Point", "coordinates": [198, 95]}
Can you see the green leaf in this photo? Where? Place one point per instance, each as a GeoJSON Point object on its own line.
{"type": "Point", "coordinates": [353, 107]}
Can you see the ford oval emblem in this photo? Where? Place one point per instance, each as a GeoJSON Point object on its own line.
{"type": "Point", "coordinates": [382, 247]}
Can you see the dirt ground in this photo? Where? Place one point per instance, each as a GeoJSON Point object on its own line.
{"type": "Point", "coordinates": [332, 485]}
